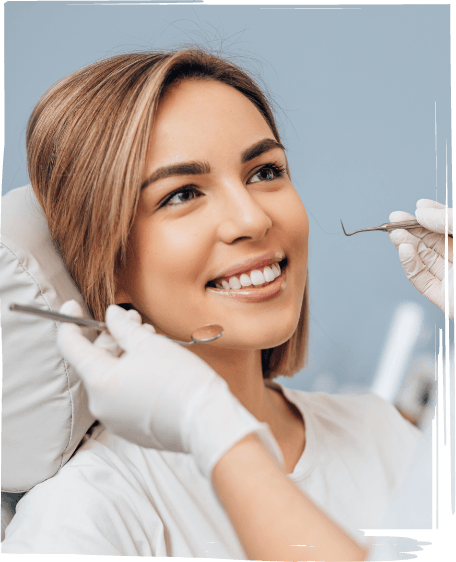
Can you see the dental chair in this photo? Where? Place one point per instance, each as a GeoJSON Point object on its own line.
{"type": "Point", "coordinates": [45, 415]}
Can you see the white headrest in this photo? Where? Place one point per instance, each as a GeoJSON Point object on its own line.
{"type": "Point", "coordinates": [45, 412]}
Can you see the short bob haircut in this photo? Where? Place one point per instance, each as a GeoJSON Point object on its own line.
{"type": "Point", "coordinates": [87, 140]}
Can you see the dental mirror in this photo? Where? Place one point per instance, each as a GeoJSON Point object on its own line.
{"type": "Point", "coordinates": [205, 334]}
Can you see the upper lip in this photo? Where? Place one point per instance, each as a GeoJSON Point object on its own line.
{"type": "Point", "coordinates": [251, 263]}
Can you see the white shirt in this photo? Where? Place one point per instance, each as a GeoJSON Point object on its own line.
{"type": "Point", "coordinates": [116, 498]}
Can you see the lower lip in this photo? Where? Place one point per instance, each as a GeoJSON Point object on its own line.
{"type": "Point", "coordinates": [254, 294]}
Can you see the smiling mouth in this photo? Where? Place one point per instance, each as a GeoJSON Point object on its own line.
{"type": "Point", "coordinates": [253, 279]}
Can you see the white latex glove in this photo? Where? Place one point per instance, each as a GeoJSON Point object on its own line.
{"type": "Point", "coordinates": [422, 251]}
{"type": "Point", "coordinates": [157, 394]}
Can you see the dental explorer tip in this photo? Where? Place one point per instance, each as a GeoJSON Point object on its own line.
{"type": "Point", "coordinates": [343, 227]}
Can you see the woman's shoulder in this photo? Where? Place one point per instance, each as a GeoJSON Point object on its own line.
{"type": "Point", "coordinates": [366, 408]}
{"type": "Point", "coordinates": [93, 505]}
{"type": "Point", "coordinates": [357, 418]}
{"type": "Point", "coordinates": [364, 425]}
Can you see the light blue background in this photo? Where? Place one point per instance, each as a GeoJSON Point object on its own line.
{"type": "Point", "coordinates": [357, 90]}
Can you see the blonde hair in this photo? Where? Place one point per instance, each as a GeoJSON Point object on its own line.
{"type": "Point", "coordinates": [87, 140]}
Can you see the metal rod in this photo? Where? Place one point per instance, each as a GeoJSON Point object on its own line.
{"type": "Point", "coordinates": [52, 315]}
{"type": "Point", "coordinates": [388, 226]}
{"type": "Point", "coordinates": [209, 333]}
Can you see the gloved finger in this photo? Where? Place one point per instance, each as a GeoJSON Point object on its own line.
{"type": "Point", "coordinates": [434, 219]}
{"type": "Point", "coordinates": [72, 308]}
{"type": "Point", "coordinates": [432, 261]}
{"type": "Point", "coordinates": [78, 350]}
{"type": "Point", "coordinates": [430, 239]}
{"type": "Point", "coordinates": [127, 331]}
{"type": "Point", "coordinates": [106, 342]}
{"type": "Point", "coordinates": [402, 236]}
{"type": "Point", "coordinates": [426, 283]}
{"type": "Point", "coordinates": [433, 240]}
{"type": "Point", "coordinates": [134, 315]}
{"type": "Point", "coordinates": [399, 216]}
{"type": "Point", "coordinates": [425, 204]}
{"type": "Point", "coordinates": [429, 203]}
{"type": "Point", "coordinates": [110, 344]}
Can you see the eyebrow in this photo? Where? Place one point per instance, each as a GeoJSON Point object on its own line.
{"type": "Point", "coordinates": [196, 168]}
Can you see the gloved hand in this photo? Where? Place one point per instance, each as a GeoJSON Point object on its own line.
{"type": "Point", "coordinates": [422, 251]}
{"type": "Point", "coordinates": [156, 393]}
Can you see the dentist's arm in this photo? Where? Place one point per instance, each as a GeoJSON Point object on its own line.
{"type": "Point", "coordinates": [273, 519]}
{"type": "Point", "coordinates": [159, 395]}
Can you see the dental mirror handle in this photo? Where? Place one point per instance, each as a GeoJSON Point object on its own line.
{"type": "Point", "coordinates": [204, 334]}
{"type": "Point", "coordinates": [54, 315]}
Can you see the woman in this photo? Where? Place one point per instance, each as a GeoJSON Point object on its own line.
{"type": "Point", "coordinates": [166, 188]}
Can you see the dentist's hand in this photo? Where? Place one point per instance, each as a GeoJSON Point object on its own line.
{"type": "Point", "coordinates": [422, 251]}
{"type": "Point", "coordinates": [156, 393]}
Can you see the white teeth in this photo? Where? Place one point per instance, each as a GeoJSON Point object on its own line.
{"type": "Point", "coordinates": [234, 283]}
{"type": "Point", "coordinates": [268, 274]}
{"type": "Point", "coordinates": [245, 280]}
{"type": "Point", "coordinates": [257, 277]}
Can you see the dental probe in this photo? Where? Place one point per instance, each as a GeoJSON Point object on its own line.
{"type": "Point", "coordinates": [204, 334]}
{"type": "Point", "coordinates": [407, 225]}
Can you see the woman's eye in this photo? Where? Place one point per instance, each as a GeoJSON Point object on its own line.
{"type": "Point", "coordinates": [268, 172]}
{"type": "Point", "coordinates": [184, 195]}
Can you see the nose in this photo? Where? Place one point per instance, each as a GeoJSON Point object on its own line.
{"type": "Point", "coordinates": [241, 216]}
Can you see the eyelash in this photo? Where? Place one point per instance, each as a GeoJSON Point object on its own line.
{"type": "Point", "coordinates": [279, 171]}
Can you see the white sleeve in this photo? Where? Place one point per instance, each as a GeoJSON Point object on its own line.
{"type": "Point", "coordinates": [93, 509]}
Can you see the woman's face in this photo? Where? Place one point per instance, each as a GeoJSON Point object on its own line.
{"type": "Point", "coordinates": [218, 204]}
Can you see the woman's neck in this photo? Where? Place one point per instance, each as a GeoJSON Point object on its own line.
{"type": "Point", "coordinates": [242, 370]}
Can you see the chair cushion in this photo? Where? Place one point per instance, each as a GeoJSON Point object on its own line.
{"type": "Point", "coordinates": [45, 414]}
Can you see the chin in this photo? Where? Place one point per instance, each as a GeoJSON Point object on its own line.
{"type": "Point", "coordinates": [258, 337]}
{"type": "Point", "coordinates": [277, 339]}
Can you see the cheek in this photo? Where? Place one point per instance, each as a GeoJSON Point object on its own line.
{"type": "Point", "coordinates": [291, 218]}
{"type": "Point", "coordinates": [159, 268]}
{"type": "Point", "coordinates": [299, 227]}
{"type": "Point", "coordinates": [167, 258]}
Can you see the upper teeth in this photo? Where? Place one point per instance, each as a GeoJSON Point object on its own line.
{"type": "Point", "coordinates": [254, 277]}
